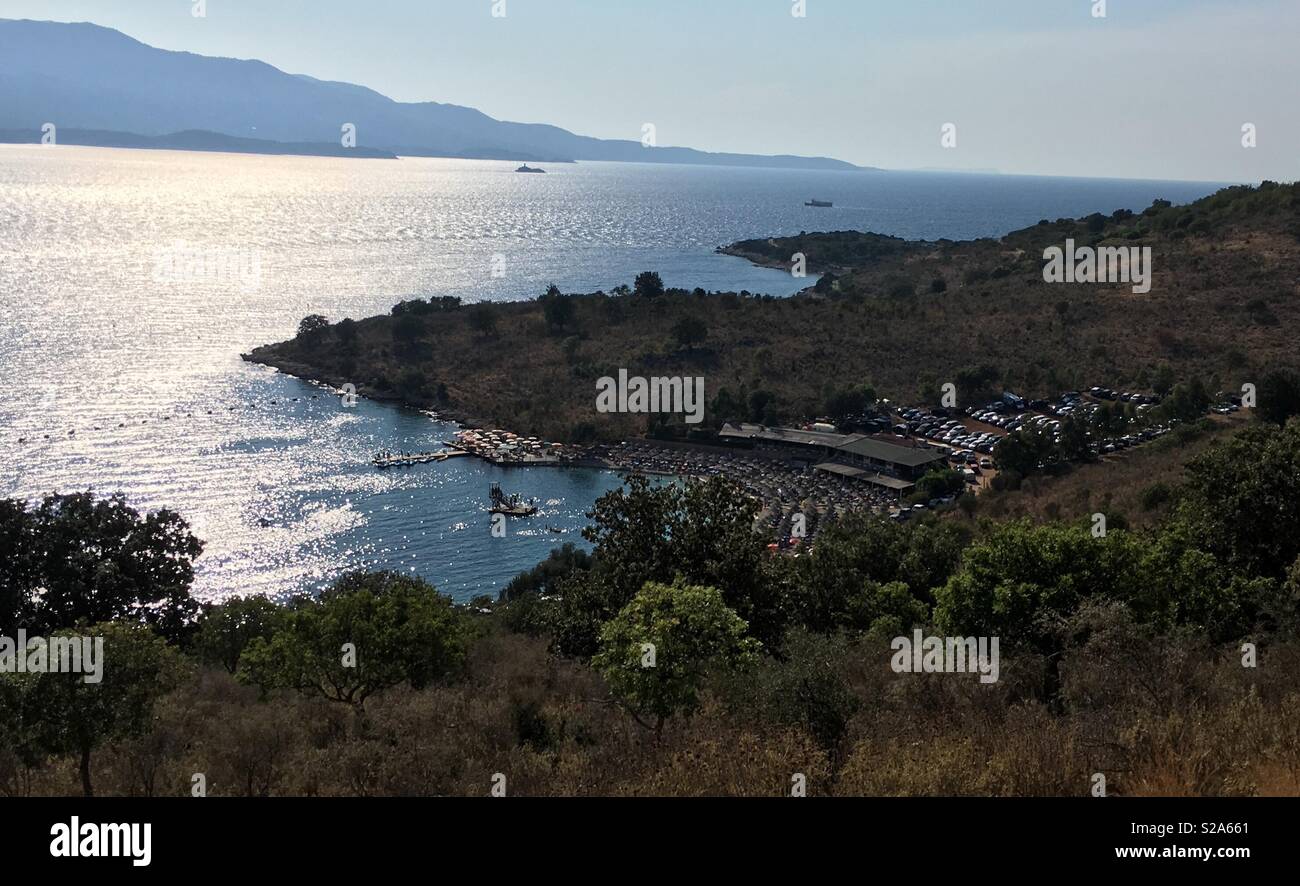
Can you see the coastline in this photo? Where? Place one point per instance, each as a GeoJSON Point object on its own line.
{"type": "Point", "coordinates": [336, 384]}
{"type": "Point", "coordinates": [779, 488]}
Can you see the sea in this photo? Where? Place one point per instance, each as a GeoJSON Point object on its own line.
{"type": "Point", "coordinates": [131, 281]}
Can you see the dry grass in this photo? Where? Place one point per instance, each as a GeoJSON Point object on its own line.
{"type": "Point", "coordinates": [1213, 729]}
{"type": "Point", "coordinates": [1118, 484]}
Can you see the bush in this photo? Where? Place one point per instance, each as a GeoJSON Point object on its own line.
{"type": "Point", "coordinates": [1155, 495]}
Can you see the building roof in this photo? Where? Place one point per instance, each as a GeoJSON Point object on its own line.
{"type": "Point", "coordinates": [853, 444]}
{"type": "Point", "coordinates": [893, 483]}
{"type": "Point", "coordinates": [832, 467]}
{"type": "Point", "coordinates": [748, 431]}
{"type": "Point", "coordinates": [912, 457]}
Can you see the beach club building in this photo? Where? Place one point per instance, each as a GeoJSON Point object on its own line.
{"type": "Point", "coordinates": [857, 456]}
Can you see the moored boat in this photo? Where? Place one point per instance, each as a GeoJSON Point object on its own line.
{"type": "Point", "coordinates": [510, 505]}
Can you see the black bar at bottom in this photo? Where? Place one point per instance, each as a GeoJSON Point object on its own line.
{"type": "Point", "coordinates": [338, 836]}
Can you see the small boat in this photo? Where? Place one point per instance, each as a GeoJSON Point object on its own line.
{"type": "Point", "coordinates": [527, 168]}
{"type": "Point", "coordinates": [820, 204]}
{"type": "Point", "coordinates": [510, 505]}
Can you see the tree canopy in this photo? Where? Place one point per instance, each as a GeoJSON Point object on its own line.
{"type": "Point", "coordinates": [656, 652]}
{"type": "Point", "coordinates": [59, 712]}
{"type": "Point", "coordinates": [366, 633]}
{"type": "Point", "coordinates": [77, 558]}
{"type": "Point", "coordinates": [649, 284]}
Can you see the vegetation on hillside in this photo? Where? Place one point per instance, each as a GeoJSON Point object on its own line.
{"type": "Point", "coordinates": [681, 658]}
{"type": "Point", "coordinates": [906, 317]}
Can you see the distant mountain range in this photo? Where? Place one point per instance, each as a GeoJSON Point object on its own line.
{"type": "Point", "coordinates": [90, 79]}
{"type": "Point", "coordinates": [192, 140]}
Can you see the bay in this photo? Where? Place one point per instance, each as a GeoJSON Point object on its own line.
{"type": "Point", "coordinates": [120, 354]}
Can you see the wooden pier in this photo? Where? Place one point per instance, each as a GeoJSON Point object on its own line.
{"type": "Point", "coordinates": [408, 459]}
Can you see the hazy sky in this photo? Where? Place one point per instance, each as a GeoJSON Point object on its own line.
{"type": "Point", "coordinates": [1156, 89]}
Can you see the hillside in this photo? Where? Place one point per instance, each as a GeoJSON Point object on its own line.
{"type": "Point", "coordinates": [191, 141]}
{"type": "Point", "coordinates": [82, 76]}
{"type": "Point", "coordinates": [905, 317]}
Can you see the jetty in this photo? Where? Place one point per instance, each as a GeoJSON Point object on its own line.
{"type": "Point", "coordinates": [385, 460]}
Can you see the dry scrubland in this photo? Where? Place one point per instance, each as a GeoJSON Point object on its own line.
{"type": "Point", "coordinates": [1160, 719]}
{"type": "Point", "coordinates": [1141, 485]}
{"type": "Point", "coordinates": [902, 316]}
{"type": "Point", "coordinates": [1120, 655]}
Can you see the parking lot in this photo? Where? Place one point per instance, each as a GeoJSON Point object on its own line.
{"type": "Point", "coordinates": [969, 436]}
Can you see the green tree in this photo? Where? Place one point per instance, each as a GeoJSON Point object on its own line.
{"type": "Point", "coordinates": [1187, 401]}
{"type": "Point", "coordinates": [20, 573]}
{"type": "Point", "coordinates": [728, 407]}
{"type": "Point", "coordinates": [1242, 499]}
{"type": "Point", "coordinates": [1074, 439]}
{"type": "Point", "coordinates": [557, 308]}
{"type": "Point", "coordinates": [408, 328]}
{"type": "Point", "coordinates": [366, 633]}
{"type": "Point", "coordinates": [61, 713]}
{"type": "Point", "coordinates": [1022, 451]}
{"type": "Point", "coordinates": [869, 574]}
{"type": "Point", "coordinates": [545, 577]}
{"type": "Point", "coordinates": [1183, 584]}
{"type": "Point", "coordinates": [853, 400]}
{"type": "Point", "coordinates": [226, 630]}
{"type": "Point", "coordinates": [347, 332]}
{"type": "Point", "coordinates": [312, 325]}
{"type": "Point", "coordinates": [656, 653]}
{"type": "Point", "coordinates": [939, 483]}
{"type": "Point", "coordinates": [1164, 380]}
{"type": "Point", "coordinates": [1020, 572]}
{"type": "Point", "coordinates": [806, 688]}
{"type": "Point", "coordinates": [702, 531]}
{"type": "Point", "coordinates": [95, 560]}
{"type": "Point", "coordinates": [761, 407]}
{"type": "Point", "coordinates": [1018, 582]}
{"type": "Point", "coordinates": [649, 284]}
{"type": "Point", "coordinates": [1279, 396]}
{"type": "Point", "coordinates": [976, 385]}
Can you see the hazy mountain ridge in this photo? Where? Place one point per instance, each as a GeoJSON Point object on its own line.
{"type": "Point", "coordinates": [83, 76]}
{"type": "Point", "coordinates": [191, 140]}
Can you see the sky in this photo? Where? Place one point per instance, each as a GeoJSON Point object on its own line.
{"type": "Point", "coordinates": [1154, 89]}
